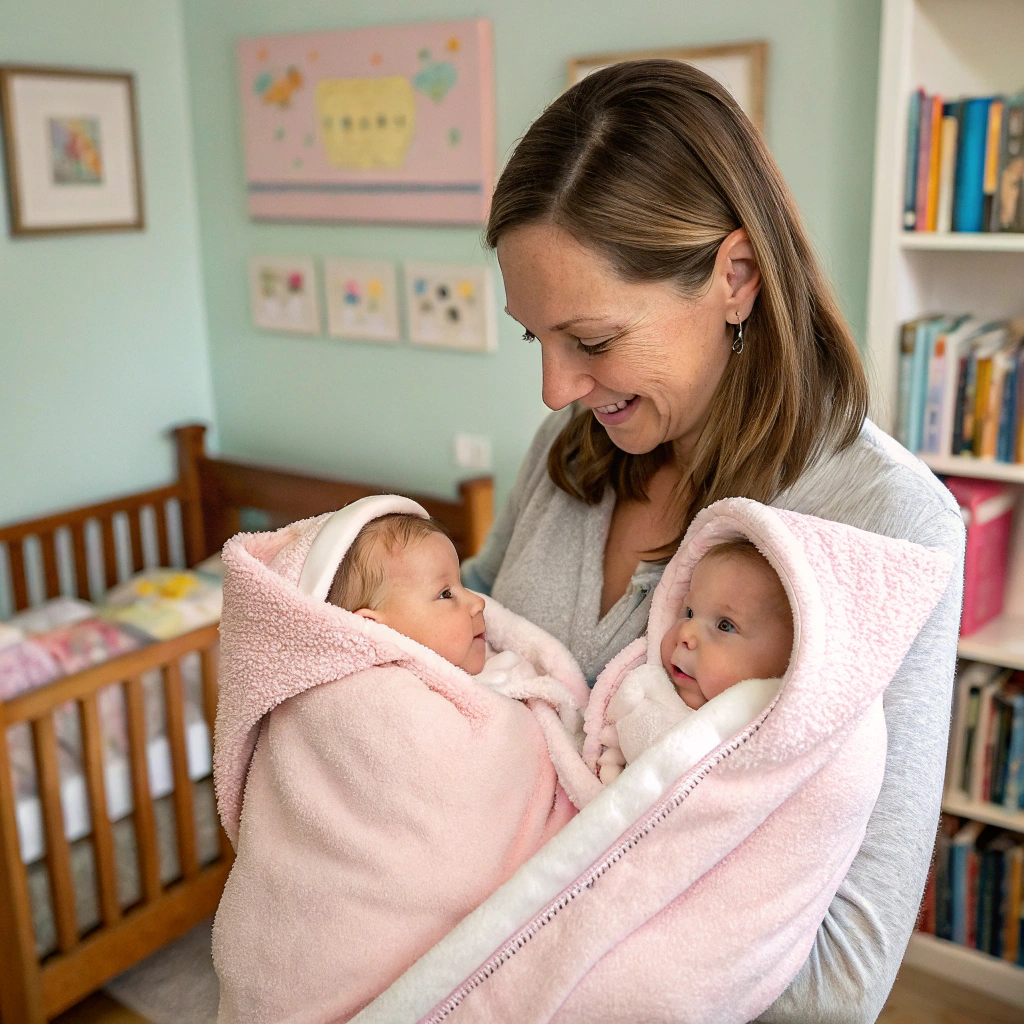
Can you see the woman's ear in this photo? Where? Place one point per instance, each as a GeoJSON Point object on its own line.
{"type": "Point", "coordinates": [739, 273]}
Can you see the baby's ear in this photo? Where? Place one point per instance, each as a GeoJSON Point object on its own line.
{"type": "Point", "coordinates": [369, 613]}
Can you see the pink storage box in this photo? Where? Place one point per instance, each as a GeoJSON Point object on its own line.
{"type": "Point", "coordinates": [987, 508]}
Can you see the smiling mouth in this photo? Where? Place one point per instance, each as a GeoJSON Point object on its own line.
{"type": "Point", "coordinates": [616, 412]}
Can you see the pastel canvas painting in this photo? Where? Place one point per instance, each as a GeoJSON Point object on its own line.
{"type": "Point", "coordinates": [391, 123]}
{"type": "Point", "coordinates": [76, 153]}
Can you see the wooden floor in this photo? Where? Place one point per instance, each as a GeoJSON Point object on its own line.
{"type": "Point", "coordinates": [917, 998]}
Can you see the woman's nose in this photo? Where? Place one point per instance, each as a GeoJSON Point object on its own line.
{"type": "Point", "coordinates": [563, 382]}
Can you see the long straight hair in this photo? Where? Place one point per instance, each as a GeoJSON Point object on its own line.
{"type": "Point", "coordinates": [651, 164]}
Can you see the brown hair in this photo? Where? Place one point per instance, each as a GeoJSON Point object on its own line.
{"type": "Point", "coordinates": [651, 164]}
{"type": "Point", "coordinates": [359, 581]}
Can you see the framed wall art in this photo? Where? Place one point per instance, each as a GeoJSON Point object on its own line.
{"type": "Point", "coordinates": [389, 123]}
{"type": "Point", "coordinates": [71, 148]}
{"type": "Point", "coordinates": [740, 67]}
{"type": "Point", "coordinates": [282, 291]}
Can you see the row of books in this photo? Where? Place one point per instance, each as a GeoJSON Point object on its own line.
{"type": "Point", "coordinates": [974, 890]}
{"type": "Point", "coordinates": [965, 164]}
{"type": "Point", "coordinates": [986, 744]}
{"type": "Point", "coordinates": [961, 387]}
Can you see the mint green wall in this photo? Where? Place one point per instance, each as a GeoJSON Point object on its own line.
{"type": "Point", "coordinates": [389, 414]}
{"type": "Point", "coordinates": [103, 337]}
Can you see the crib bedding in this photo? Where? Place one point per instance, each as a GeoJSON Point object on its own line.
{"type": "Point", "coordinates": [66, 635]}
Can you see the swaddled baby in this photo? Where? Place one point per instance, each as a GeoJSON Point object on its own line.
{"type": "Point", "coordinates": [735, 624]}
{"type": "Point", "coordinates": [402, 571]}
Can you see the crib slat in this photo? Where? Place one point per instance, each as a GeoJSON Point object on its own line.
{"type": "Point", "coordinates": [209, 657]}
{"type": "Point", "coordinates": [48, 542]}
{"type": "Point", "coordinates": [16, 561]}
{"type": "Point", "coordinates": [145, 824]}
{"type": "Point", "coordinates": [163, 548]}
{"type": "Point", "coordinates": [135, 532]}
{"type": "Point", "coordinates": [102, 835]}
{"type": "Point", "coordinates": [183, 813]}
{"type": "Point", "coordinates": [109, 551]}
{"type": "Point", "coordinates": [81, 561]}
{"type": "Point", "coordinates": [62, 888]}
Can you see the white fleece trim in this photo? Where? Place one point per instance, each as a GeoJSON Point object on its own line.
{"type": "Point", "coordinates": [569, 854]}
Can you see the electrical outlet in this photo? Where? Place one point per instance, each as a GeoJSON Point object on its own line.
{"type": "Point", "coordinates": [473, 451]}
{"type": "Point", "coordinates": [362, 300]}
{"type": "Point", "coordinates": [451, 307]}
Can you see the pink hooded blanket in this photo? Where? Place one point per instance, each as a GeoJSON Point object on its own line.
{"type": "Point", "coordinates": [374, 792]}
{"type": "Point", "coordinates": [690, 889]}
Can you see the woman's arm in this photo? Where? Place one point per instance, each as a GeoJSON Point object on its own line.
{"type": "Point", "coordinates": [861, 942]}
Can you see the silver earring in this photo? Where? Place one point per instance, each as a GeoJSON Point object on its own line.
{"type": "Point", "coordinates": [737, 344]}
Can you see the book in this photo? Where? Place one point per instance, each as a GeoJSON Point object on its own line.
{"type": "Point", "coordinates": [1007, 436]}
{"type": "Point", "coordinates": [971, 677]}
{"type": "Point", "coordinates": [943, 894]}
{"type": "Point", "coordinates": [1002, 721]}
{"type": "Point", "coordinates": [1014, 875]}
{"type": "Point", "coordinates": [910, 174]}
{"type": "Point", "coordinates": [924, 162]}
{"type": "Point", "coordinates": [963, 882]}
{"type": "Point", "coordinates": [908, 339]}
{"type": "Point", "coordinates": [991, 413]}
{"type": "Point", "coordinates": [928, 330]}
{"type": "Point", "coordinates": [971, 169]}
{"type": "Point", "coordinates": [1008, 206]}
{"type": "Point", "coordinates": [932, 214]}
{"type": "Point", "coordinates": [1013, 795]}
{"type": "Point", "coordinates": [950, 352]}
{"type": "Point", "coordinates": [947, 168]}
{"type": "Point", "coordinates": [990, 176]}
{"type": "Point", "coordinates": [991, 892]}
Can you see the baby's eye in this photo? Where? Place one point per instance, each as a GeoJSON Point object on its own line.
{"type": "Point", "coordinates": [528, 336]}
{"type": "Point", "coordinates": [688, 613]}
{"type": "Point", "coordinates": [726, 626]}
{"type": "Point", "coordinates": [446, 594]}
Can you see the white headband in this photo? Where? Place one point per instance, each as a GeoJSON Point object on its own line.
{"type": "Point", "coordinates": [336, 536]}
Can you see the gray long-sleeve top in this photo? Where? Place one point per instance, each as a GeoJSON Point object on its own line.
{"type": "Point", "coordinates": [544, 560]}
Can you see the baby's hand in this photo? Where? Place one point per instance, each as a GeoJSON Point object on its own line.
{"type": "Point", "coordinates": [611, 762]}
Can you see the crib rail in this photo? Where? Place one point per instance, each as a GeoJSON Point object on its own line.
{"type": "Point", "coordinates": [139, 514]}
{"type": "Point", "coordinates": [82, 963]}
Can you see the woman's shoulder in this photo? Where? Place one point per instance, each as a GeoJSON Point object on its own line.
{"type": "Point", "coordinates": [876, 484]}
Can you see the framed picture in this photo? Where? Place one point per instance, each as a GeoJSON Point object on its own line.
{"type": "Point", "coordinates": [362, 300]}
{"type": "Point", "coordinates": [71, 150]}
{"type": "Point", "coordinates": [283, 292]}
{"type": "Point", "coordinates": [740, 67]}
{"type": "Point", "coordinates": [383, 123]}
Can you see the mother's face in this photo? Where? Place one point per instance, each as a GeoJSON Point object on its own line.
{"type": "Point", "coordinates": [645, 358]}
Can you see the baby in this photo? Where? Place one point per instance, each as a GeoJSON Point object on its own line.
{"type": "Point", "coordinates": [402, 571]}
{"type": "Point", "coordinates": [735, 624]}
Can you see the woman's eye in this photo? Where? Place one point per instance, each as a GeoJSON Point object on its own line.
{"type": "Point", "coordinates": [528, 336]}
{"type": "Point", "coordinates": [726, 626]}
{"type": "Point", "coordinates": [592, 348]}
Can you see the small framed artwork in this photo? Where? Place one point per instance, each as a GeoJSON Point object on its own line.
{"type": "Point", "coordinates": [451, 307]}
{"type": "Point", "coordinates": [740, 67]}
{"type": "Point", "coordinates": [283, 291]}
{"type": "Point", "coordinates": [362, 300]}
{"type": "Point", "coordinates": [71, 150]}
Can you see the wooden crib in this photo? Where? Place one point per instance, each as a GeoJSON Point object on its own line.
{"type": "Point", "coordinates": [211, 494]}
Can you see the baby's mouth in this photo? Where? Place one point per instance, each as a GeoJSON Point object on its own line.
{"type": "Point", "coordinates": [680, 676]}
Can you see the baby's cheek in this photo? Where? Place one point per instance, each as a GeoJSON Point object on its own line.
{"type": "Point", "coordinates": [668, 645]}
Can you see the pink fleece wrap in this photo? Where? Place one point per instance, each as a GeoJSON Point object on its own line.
{"type": "Point", "coordinates": [691, 888]}
{"type": "Point", "coordinates": [375, 793]}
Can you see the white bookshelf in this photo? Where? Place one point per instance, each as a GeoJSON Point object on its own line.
{"type": "Point", "coordinates": [954, 48]}
{"type": "Point", "coordinates": [967, 967]}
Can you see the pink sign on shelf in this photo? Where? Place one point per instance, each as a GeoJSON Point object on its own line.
{"type": "Point", "coordinates": [392, 123]}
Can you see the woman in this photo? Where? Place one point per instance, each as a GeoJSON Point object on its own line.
{"type": "Point", "coordinates": [692, 350]}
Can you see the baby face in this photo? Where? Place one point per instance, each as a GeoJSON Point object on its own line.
{"type": "Point", "coordinates": [736, 624]}
{"type": "Point", "coordinates": [425, 600]}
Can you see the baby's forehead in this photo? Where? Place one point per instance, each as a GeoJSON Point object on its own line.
{"type": "Point", "coordinates": [741, 569]}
